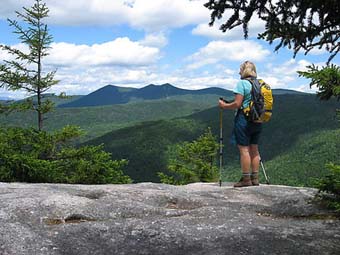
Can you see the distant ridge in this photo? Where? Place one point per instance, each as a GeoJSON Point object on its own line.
{"type": "Point", "coordinates": [107, 95]}
{"type": "Point", "coordinates": [111, 95]}
{"type": "Point", "coordinates": [287, 91]}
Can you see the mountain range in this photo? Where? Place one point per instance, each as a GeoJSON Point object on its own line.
{"type": "Point", "coordinates": [110, 94]}
{"type": "Point", "coordinates": [145, 125]}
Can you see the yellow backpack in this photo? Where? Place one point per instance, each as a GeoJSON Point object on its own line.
{"type": "Point", "coordinates": [261, 103]}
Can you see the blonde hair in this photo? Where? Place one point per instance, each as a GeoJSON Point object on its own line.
{"type": "Point", "coordinates": [248, 69]}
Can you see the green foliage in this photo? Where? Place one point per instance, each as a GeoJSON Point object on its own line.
{"type": "Point", "coordinates": [303, 164]}
{"type": "Point", "coordinates": [145, 145]}
{"type": "Point", "coordinates": [298, 24]}
{"type": "Point", "coordinates": [25, 71]}
{"type": "Point", "coordinates": [28, 155]}
{"type": "Point", "coordinates": [194, 161]}
{"type": "Point", "coordinates": [148, 145]}
{"type": "Point", "coordinates": [329, 187]}
{"type": "Point", "coordinates": [97, 121]}
{"type": "Point", "coordinates": [90, 165]}
{"type": "Point", "coordinates": [327, 80]}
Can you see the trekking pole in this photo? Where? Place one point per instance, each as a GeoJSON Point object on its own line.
{"type": "Point", "coordinates": [221, 146]}
{"type": "Point", "coordinates": [264, 171]}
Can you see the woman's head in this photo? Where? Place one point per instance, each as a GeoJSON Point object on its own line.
{"type": "Point", "coordinates": [248, 69]}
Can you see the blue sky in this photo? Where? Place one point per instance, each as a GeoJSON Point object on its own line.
{"type": "Point", "coordinates": [133, 43]}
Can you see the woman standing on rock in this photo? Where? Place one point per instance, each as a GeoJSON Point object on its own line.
{"type": "Point", "coordinates": [246, 134]}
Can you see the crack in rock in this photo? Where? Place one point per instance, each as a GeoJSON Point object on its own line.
{"type": "Point", "coordinates": [71, 219]}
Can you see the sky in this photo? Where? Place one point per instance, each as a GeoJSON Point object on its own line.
{"type": "Point", "coordinates": [134, 43]}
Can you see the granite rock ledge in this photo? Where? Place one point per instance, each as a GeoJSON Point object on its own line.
{"type": "Point", "coordinates": [150, 218]}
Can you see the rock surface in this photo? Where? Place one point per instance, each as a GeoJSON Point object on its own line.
{"type": "Point", "coordinates": [150, 218]}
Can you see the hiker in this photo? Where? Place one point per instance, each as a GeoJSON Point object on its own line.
{"type": "Point", "coordinates": [245, 134]}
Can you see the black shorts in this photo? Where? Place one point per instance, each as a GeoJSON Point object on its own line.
{"type": "Point", "coordinates": [245, 132]}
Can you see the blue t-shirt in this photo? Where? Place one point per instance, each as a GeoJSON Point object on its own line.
{"type": "Point", "coordinates": [243, 87]}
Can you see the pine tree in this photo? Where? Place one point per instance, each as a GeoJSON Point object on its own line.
{"type": "Point", "coordinates": [194, 161]}
{"type": "Point", "coordinates": [25, 71]}
{"type": "Point", "coordinates": [325, 79]}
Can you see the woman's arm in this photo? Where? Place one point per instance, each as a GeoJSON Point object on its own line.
{"type": "Point", "coordinates": [236, 104]}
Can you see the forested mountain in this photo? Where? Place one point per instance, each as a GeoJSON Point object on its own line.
{"type": "Point", "coordinates": [99, 120]}
{"type": "Point", "coordinates": [110, 95]}
{"type": "Point", "coordinates": [148, 145]}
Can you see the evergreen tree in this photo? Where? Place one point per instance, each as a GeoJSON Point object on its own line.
{"type": "Point", "coordinates": [327, 80]}
{"type": "Point", "coordinates": [30, 156]}
{"type": "Point", "coordinates": [329, 187]}
{"type": "Point", "coordinates": [193, 161]}
{"type": "Point", "coordinates": [25, 71]}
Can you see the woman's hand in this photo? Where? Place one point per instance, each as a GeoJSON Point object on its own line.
{"type": "Point", "coordinates": [237, 103]}
{"type": "Point", "coordinates": [222, 104]}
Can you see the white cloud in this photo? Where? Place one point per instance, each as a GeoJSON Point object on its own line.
{"type": "Point", "coordinates": [317, 51]}
{"type": "Point", "coordinates": [288, 68]}
{"type": "Point", "coordinates": [286, 76]}
{"type": "Point", "coordinates": [121, 51]}
{"type": "Point", "coordinates": [4, 55]}
{"type": "Point", "coordinates": [158, 40]}
{"type": "Point", "coordinates": [84, 81]}
{"type": "Point", "coordinates": [84, 12]}
{"type": "Point", "coordinates": [182, 80]}
{"type": "Point", "coordinates": [256, 26]}
{"type": "Point", "coordinates": [209, 81]}
{"type": "Point", "coordinates": [84, 68]}
{"type": "Point", "coordinates": [217, 51]}
{"type": "Point", "coordinates": [12, 95]}
{"type": "Point", "coordinates": [145, 14]}
{"type": "Point", "coordinates": [163, 14]}
{"type": "Point", "coordinates": [8, 7]}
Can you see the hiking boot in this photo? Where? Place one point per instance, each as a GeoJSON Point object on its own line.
{"type": "Point", "coordinates": [244, 181]}
{"type": "Point", "coordinates": [255, 178]}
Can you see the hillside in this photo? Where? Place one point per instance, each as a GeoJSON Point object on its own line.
{"type": "Point", "coordinates": [110, 94]}
{"type": "Point", "coordinates": [99, 120]}
{"type": "Point", "coordinates": [303, 164]}
{"type": "Point", "coordinates": [145, 145]}
{"type": "Point", "coordinates": [148, 145]}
